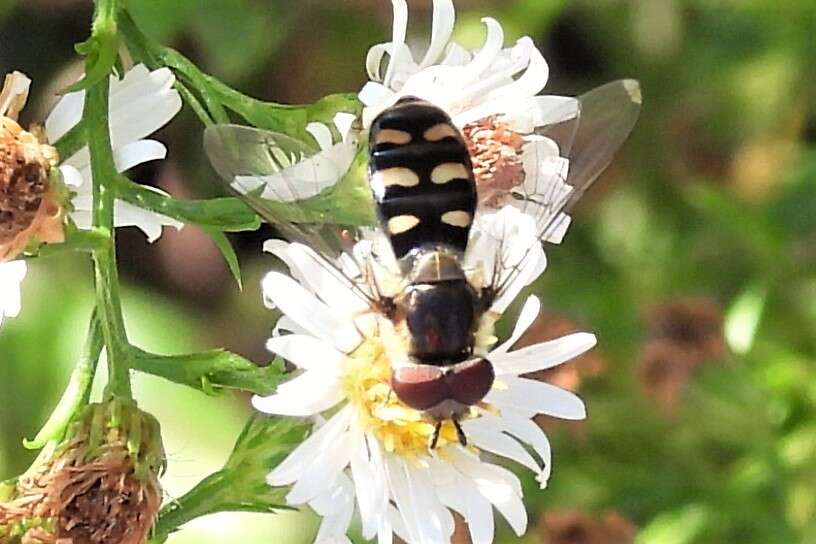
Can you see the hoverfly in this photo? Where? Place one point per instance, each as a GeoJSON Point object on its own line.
{"type": "Point", "coordinates": [426, 199]}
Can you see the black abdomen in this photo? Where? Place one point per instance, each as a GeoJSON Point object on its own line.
{"type": "Point", "coordinates": [421, 177]}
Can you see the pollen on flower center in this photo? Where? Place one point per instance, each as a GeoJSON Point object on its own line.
{"type": "Point", "coordinates": [495, 150]}
{"type": "Point", "coordinates": [400, 429]}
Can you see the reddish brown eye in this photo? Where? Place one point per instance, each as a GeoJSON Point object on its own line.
{"type": "Point", "coordinates": [419, 386]}
{"type": "Point", "coordinates": [470, 381]}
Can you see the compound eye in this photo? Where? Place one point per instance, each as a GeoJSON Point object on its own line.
{"type": "Point", "coordinates": [419, 386]}
{"type": "Point", "coordinates": [470, 381]}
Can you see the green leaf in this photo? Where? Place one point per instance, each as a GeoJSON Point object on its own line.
{"type": "Point", "coordinates": [223, 244]}
{"type": "Point", "coordinates": [101, 50]}
{"type": "Point", "coordinates": [224, 214]}
{"type": "Point", "coordinates": [209, 371]}
{"type": "Point", "coordinates": [240, 485]}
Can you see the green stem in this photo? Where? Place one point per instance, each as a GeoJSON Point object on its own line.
{"type": "Point", "coordinates": [78, 391]}
{"type": "Point", "coordinates": [103, 171]}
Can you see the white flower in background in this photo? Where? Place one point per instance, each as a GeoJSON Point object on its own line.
{"type": "Point", "coordinates": [33, 180]}
{"type": "Point", "coordinates": [369, 451]}
{"type": "Point", "coordinates": [491, 95]}
{"type": "Point", "coordinates": [11, 275]}
{"type": "Point", "coordinates": [140, 103]}
{"type": "Point", "coordinates": [295, 173]}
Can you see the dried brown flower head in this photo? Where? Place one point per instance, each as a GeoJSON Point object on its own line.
{"type": "Point", "coordinates": [30, 207]}
{"type": "Point", "coordinates": [693, 324]}
{"type": "Point", "coordinates": [680, 335]}
{"type": "Point", "coordinates": [576, 527]}
{"type": "Point", "coordinates": [100, 486]}
{"type": "Point", "coordinates": [495, 150]}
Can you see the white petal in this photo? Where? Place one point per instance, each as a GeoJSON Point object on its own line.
{"type": "Point", "coordinates": [11, 276]}
{"type": "Point", "coordinates": [310, 313]}
{"type": "Point", "coordinates": [138, 152]}
{"type": "Point", "coordinates": [370, 485]}
{"type": "Point", "coordinates": [71, 177]}
{"type": "Point", "coordinates": [495, 441]}
{"type": "Point", "coordinates": [65, 114]}
{"type": "Point", "coordinates": [400, 28]}
{"type": "Point", "coordinates": [308, 177]}
{"type": "Point", "coordinates": [321, 133]}
{"type": "Point", "coordinates": [529, 313]}
{"type": "Point", "coordinates": [310, 393]}
{"type": "Point", "coordinates": [307, 352]}
{"type": "Point", "coordinates": [543, 355]}
{"type": "Point", "coordinates": [344, 121]}
{"type": "Point", "coordinates": [313, 271]}
{"type": "Point", "coordinates": [461, 494]}
{"type": "Point", "coordinates": [529, 432]}
{"type": "Point", "coordinates": [534, 77]}
{"type": "Point", "coordinates": [486, 55]}
{"type": "Point", "coordinates": [151, 223]}
{"type": "Point", "coordinates": [543, 398]}
{"type": "Point", "coordinates": [336, 507]}
{"type": "Point", "coordinates": [426, 520]}
{"type": "Point", "coordinates": [16, 87]}
{"type": "Point", "coordinates": [317, 445]}
{"type": "Point", "coordinates": [444, 16]}
{"type": "Point", "coordinates": [497, 485]}
{"type": "Point", "coordinates": [322, 472]}
{"type": "Point", "coordinates": [141, 103]}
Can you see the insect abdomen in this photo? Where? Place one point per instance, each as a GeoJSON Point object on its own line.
{"type": "Point", "coordinates": [421, 177]}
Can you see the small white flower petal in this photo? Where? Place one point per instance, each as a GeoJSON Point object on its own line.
{"type": "Point", "coordinates": [487, 54]}
{"type": "Point", "coordinates": [371, 488]}
{"type": "Point", "coordinates": [310, 313]}
{"type": "Point", "coordinates": [305, 178]}
{"type": "Point", "coordinates": [126, 214]}
{"type": "Point", "coordinates": [543, 398]}
{"type": "Point", "coordinates": [529, 313]}
{"type": "Point", "coordinates": [12, 274]}
{"type": "Point", "coordinates": [309, 394]}
{"type": "Point", "coordinates": [344, 121]}
{"type": "Point", "coordinates": [322, 472]}
{"type": "Point", "coordinates": [321, 133]}
{"type": "Point", "coordinates": [336, 508]}
{"type": "Point", "coordinates": [319, 443]}
{"type": "Point", "coordinates": [497, 485]}
{"type": "Point", "coordinates": [444, 16]}
{"type": "Point", "coordinates": [426, 520]}
{"type": "Point", "coordinates": [72, 178]}
{"type": "Point", "coordinates": [138, 152]}
{"type": "Point", "coordinates": [543, 355]}
{"type": "Point", "coordinates": [307, 352]}
{"type": "Point", "coordinates": [400, 28]}
{"type": "Point", "coordinates": [16, 86]}
{"type": "Point", "coordinates": [311, 271]}
{"type": "Point", "coordinates": [495, 441]}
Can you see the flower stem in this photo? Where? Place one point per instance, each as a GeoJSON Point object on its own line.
{"type": "Point", "coordinates": [103, 171]}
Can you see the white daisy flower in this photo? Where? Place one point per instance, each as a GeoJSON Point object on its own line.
{"type": "Point", "coordinates": [32, 208]}
{"type": "Point", "coordinates": [492, 95]}
{"type": "Point", "coordinates": [369, 451]}
{"type": "Point", "coordinates": [141, 102]}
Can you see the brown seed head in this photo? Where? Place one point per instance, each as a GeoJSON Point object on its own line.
{"type": "Point", "coordinates": [99, 488]}
{"type": "Point", "coordinates": [495, 151]}
{"type": "Point", "coordinates": [693, 324]}
{"type": "Point", "coordinates": [576, 527]}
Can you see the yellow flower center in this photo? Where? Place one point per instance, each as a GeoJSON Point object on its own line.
{"type": "Point", "coordinates": [400, 429]}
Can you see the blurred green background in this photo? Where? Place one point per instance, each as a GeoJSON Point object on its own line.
{"type": "Point", "coordinates": [693, 259]}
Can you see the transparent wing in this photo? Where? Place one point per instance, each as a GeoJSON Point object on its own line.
{"type": "Point", "coordinates": [277, 175]}
{"type": "Point", "coordinates": [563, 160]}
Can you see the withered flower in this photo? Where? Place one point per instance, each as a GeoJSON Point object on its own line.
{"type": "Point", "coordinates": [576, 527]}
{"type": "Point", "coordinates": [100, 486]}
{"type": "Point", "coordinates": [495, 149]}
{"type": "Point", "coordinates": [31, 201]}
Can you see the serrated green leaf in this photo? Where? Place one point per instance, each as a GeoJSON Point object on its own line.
{"type": "Point", "coordinates": [209, 370]}
{"type": "Point", "coordinates": [240, 485]}
{"type": "Point", "coordinates": [223, 214]}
